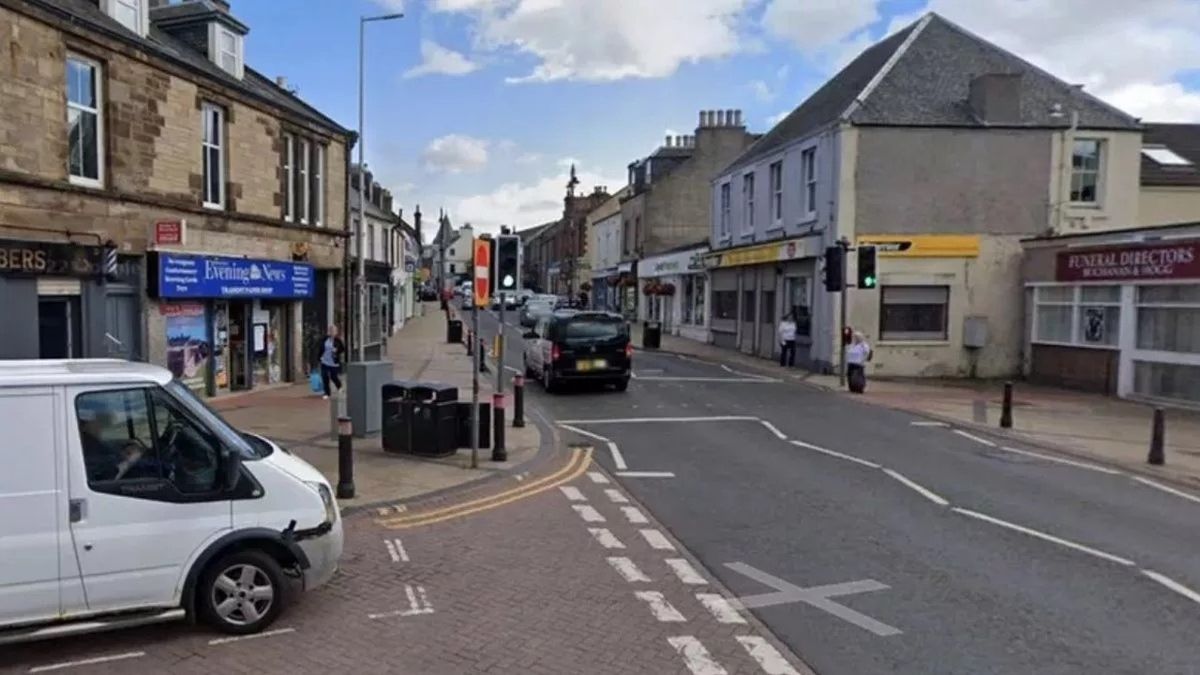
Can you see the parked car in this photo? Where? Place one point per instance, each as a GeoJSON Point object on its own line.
{"type": "Point", "coordinates": [524, 295]}
{"type": "Point", "coordinates": [534, 310]}
{"type": "Point", "coordinates": [127, 500]}
{"type": "Point", "coordinates": [509, 300]}
{"type": "Point", "coordinates": [572, 346]}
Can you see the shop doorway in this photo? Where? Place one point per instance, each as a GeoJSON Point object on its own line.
{"type": "Point", "coordinates": [239, 376]}
{"type": "Point", "coordinates": [60, 334]}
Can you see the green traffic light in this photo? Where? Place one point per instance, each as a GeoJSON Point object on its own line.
{"type": "Point", "coordinates": [869, 282]}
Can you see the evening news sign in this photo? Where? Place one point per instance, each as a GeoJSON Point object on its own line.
{"type": "Point", "coordinates": [191, 276]}
{"type": "Point", "coordinates": [1155, 261]}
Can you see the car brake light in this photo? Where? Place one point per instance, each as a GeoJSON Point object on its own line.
{"type": "Point", "coordinates": [629, 350]}
{"type": "Point", "coordinates": [555, 352]}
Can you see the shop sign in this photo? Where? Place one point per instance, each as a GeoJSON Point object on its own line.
{"type": "Point", "coordinates": [922, 245]}
{"type": "Point", "coordinates": [766, 253]}
{"type": "Point", "coordinates": [674, 263]}
{"type": "Point", "coordinates": [1148, 261]}
{"type": "Point", "coordinates": [39, 258]}
{"type": "Point", "coordinates": [193, 276]}
{"type": "Point", "coordinates": [170, 232]}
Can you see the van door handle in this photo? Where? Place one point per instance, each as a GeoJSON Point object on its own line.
{"type": "Point", "coordinates": [78, 508]}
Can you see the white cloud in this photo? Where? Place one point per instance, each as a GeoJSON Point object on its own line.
{"type": "Point", "coordinates": [1168, 102]}
{"type": "Point", "coordinates": [524, 204]}
{"type": "Point", "coordinates": [762, 91]}
{"type": "Point", "coordinates": [528, 158]}
{"type": "Point", "coordinates": [605, 41]}
{"type": "Point", "coordinates": [815, 25]}
{"type": "Point", "coordinates": [778, 117]}
{"type": "Point", "coordinates": [455, 154]}
{"type": "Point", "coordinates": [439, 60]}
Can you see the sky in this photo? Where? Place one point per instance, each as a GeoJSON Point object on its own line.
{"type": "Point", "coordinates": [479, 107]}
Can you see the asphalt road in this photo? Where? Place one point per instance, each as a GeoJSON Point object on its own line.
{"type": "Point", "coordinates": [922, 523]}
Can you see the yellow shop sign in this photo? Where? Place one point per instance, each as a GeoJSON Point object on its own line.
{"type": "Point", "coordinates": [922, 245]}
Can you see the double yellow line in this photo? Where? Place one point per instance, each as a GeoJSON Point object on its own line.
{"type": "Point", "coordinates": [581, 459]}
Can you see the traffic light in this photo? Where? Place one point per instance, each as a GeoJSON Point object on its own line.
{"type": "Point", "coordinates": [835, 276]}
{"type": "Point", "coordinates": [866, 267]}
{"type": "Point", "coordinates": [508, 262]}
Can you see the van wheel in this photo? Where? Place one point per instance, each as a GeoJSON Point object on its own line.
{"type": "Point", "coordinates": [622, 384]}
{"type": "Point", "coordinates": [243, 593]}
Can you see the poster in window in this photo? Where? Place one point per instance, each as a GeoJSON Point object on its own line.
{"type": "Point", "coordinates": [260, 338]}
{"type": "Point", "coordinates": [1093, 326]}
{"type": "Point", "coordinates": [188, 345]}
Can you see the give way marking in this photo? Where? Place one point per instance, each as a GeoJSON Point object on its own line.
{"type": "Point", "coordinates": [816, 596]}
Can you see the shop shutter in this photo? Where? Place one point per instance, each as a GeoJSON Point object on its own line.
{"type": "Point", "coordinates": [56, 286]}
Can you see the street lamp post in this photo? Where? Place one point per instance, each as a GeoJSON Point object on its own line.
{"type": "Point", "coordinates": [361, 269]}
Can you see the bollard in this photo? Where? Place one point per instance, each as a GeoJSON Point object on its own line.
{"type": "Point", "coordinates": [1158, 455]}
{"type": "Point", "coordinates": [518, 401]}
{"type": "Point", "coordinates": [481, 350]}
{"type": "Point", "coordinates": [470, 343]}
{"type": "Point", "coordinates": [499, 452]}
{"type": "Point", "coordinates": [1006, 411]}
{"type": "Point", "coordinates": [345, 486]}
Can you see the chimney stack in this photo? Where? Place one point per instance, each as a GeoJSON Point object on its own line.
{"type": "Point", "coordinates": [667, 143]}
{"type": "Point", "coordinates": [720, 119]}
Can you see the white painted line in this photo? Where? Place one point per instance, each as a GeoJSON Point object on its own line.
{"type": "Point", "coordinates": [588, 513]}
{"type": "Point", "coordinates": [657, 540]}
{"type": "Point", "coordinates": [928, 424]}
{"type": "Point", "coordinates": [581, 432]}
{"type": "Point", "coordinates": [924, 492]}
{"type": "Point", "coordinates": [1174, 585]}
{"type": "Point", "coordinates": [645, 474]}
{"type": "Point", "coordinates": [973, 437]}
{"type": "Point", "coordinates": [1060, 460]}
{"type": "Point", "coordinates": [615, 496]}
{"type": "Point", "coordinates": [720, 608]}
{"type": "Point", "coordinates": [659, 607]}
{"type": "Point", "coordinates": [740, 380]}
{"type": "Point", "coordinates": [396, 550]}
{"type": "Point", "coordinates": [598, 478]}
{"type": "Point", "coordinates": [606, 538]}
{"type": "Point", "coordinates": [418, 603]}
{"type": "Point", "coordinates": [695, 656]}
{"type": "Point", "coordinates": [686, 573]}
{"type": "Point", "coordinates": [1045, 537]}
{"type": "Point", "coordinates": [87, 662]}
{"type": "Point", "coordinates": [769, 658]}
{"type": "Point", "coordinates": [239, 638]}
{"type": "Point", "coordinates": [634, 515]}
{"type": "Point", "coordinates": [648, 420]}
{"type": "Point", "coordinates": [617, 458]}
{"type": "Point", "coordinates": [1167, 489]}
{"type": "Point", "coordinates": [839, 455]}
{"type": "Point", "coordinates": [726, 368]}
{"type": "Point", "coordinates": [773, 429]}
{"type": "Point", "coordinates": [628, 569]}
{"type": "Point", "coordinates": [572, 493]}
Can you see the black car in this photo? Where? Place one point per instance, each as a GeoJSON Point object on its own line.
{"type": "Point", "coordinates": [570, 346]}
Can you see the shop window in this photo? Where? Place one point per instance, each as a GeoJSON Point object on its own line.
{"type": "Point", "coordinates": [1077, 315]}
{"type": "Point", "coordinates": [748, 306]}
{"type": "Point", "coordinates": [376, 313]}
{"type": "Point", "coordinates": [914, 313]}
{"type": "Point", "coordinates": [768, 307]}
{"type": "Point", "coordinates": [1166, 380]}
{"type": "Point", "coordinates": [1168, 318]}
{"type": "Point", "coordinates": [797, 297]}
{"type": "Point", "coordinates": [725, 305]}
{"type": "Point", "coordinates": [699, 298]}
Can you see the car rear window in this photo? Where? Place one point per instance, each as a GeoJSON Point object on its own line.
{"type": "Point", "coordinates": [593, 329]}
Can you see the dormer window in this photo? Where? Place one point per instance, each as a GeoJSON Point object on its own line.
{"type": "Point", "coordinates": [225, 49]}
{"type": "Point", "coordinates": [133, 14]}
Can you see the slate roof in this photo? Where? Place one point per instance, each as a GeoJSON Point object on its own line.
{"type": "Point", "coordinates": [921, 76]}
{"type": "Point", "coordinates": [159, 43]}
{"type": "Point", "coordinates": [1183, 140]}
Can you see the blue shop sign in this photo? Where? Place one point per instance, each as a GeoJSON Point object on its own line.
{"type": "Point", "coordinates": [196, 276]}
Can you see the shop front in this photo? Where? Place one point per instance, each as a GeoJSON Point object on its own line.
{"type": "Point", "coordinates": [379, 309]}
{"type": "Point", "coordinates": [674, 292]}
{"type": "Point", "coordinates": [223, 324]}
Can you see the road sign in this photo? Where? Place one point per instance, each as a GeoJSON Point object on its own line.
{"type": "Point", "coordinates": [481, 285]}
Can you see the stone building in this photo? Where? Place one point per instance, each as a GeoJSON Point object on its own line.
{"type": "Point", "coordinates": [159, 199]}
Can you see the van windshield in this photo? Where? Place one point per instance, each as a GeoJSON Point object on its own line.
{"type": "Point", "coordinates": [228, 435]}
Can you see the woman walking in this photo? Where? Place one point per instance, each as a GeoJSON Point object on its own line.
{"type": "Point", "coordinates": [332, 351]}
{"type": "Point", "coordinates": [858, 352]}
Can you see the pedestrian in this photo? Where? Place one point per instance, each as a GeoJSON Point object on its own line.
{"type": "Point", "coordinates": [787, 342]}
{"type": "Point", "coordinates": [858, 353]}
{"type": "Point", "coordinates": [332, 353]}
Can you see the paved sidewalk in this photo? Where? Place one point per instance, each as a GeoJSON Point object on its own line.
{"type": "Point", "coordinates": [301, 421]}
{"type": "Point", "coordinates": [1101, 428]}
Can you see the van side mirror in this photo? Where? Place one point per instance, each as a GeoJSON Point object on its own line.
{"type": "Point", "coordinates": [231, 470]}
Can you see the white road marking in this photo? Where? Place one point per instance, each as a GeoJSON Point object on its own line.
{"type": "Point", "coordinates": [740, 380]}
{"type": "Point", "coordinates": [418, 603]}
{"type": "Point", "coordinates": [648, 420]}
{"type": "Point", "coordinates": [726, 368]}
{"type": "Point", "coordinates": [87, 662]}
{"type": "Point", "coordinates": [833, 453]}
{"type": "Point", "coordinates": [1173, 585]}
{"type": "Point", "coordinates": [973, 437]}
{"type": "Point", "coordinates": [1166, 488]}
{"type": "Point", "coordinates": [659, 607]}
{"type": "Point", "coordinates": [628, 569]}
{"type": "Point", "coordinates": [773, 429]}
{"type": "Point", "coordinates": [395, 508]}
{"type": "Point", "coordinates": [598, 478]}
{"type": "Point", "coordinates": [1060, 460]}
{"type": "Point", "coordinates": [606, 538]}
{"type": "Point", "coordinates": [924, 492]}
{"type": "Point", "coordinates": [396, 550]}
{"type": "Point", "coordinates": [720, 608]}
{"type": "Point", "coordinates": [921, 423]}
{"type": "Point", "coordinates": [572, 493]}
{"type": "Point", "coordinates": [588, 513]}
{"type": "Point", "coordinates": [1043, 536]}
{"type": "Point", "coordinates": [686, 573]}
{"type": "Point", "coordinates": [239, 638]}
{"type": "Point", "coordinates": [634, 515]}
{"type": "Point", "coordinates": [657, 540]}
{"type": "Point", "coordinates": [646, 474]}
{"type": "Point", "coordinates": [769, 658]}
{"type": "Point", "coordinates": [581, 432]}
{"type": "Point", "coordinates": [615, 496]}
{"type": "Point", "coordinates": [784, 593]}
{"type": "Point", "coordinates": [617, 457]}
{"type": "Point", "coordinates": [695, 656]}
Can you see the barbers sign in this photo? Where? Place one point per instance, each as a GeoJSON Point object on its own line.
{"type": "Point", "coordinates": [1122, 263]}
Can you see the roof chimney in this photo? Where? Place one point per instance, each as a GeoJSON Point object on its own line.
{"type": "Point", "coordinates": [995, 98]}
{"type": "Point", "coordinates": [720, 119]}
{"type": "Point", "coordinates": [679, 141]}
{"type": "Point", "coordinates": [737, 118]}
{"type": "Point", "coordinates": [667, 143]}
{"type": "Point", "coordinates": [281, 82]}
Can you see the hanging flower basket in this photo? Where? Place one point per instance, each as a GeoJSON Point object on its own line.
{"type": "Point", "coordinates": [648, 288]}
{"type": "Point", "coordinates": [614, 281]}
{"type": "Point", "coordinates": [628, 281]}
{"type": "Point", "coordinates": [667, 289]}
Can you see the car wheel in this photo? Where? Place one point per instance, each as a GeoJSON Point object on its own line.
{"type": "Point", "coordinates": [243, 593]}
{"type": "Point", "coordinates": [622, 384]}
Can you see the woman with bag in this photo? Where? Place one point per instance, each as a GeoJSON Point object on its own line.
{"type": "Point", "coordinates": [858, 353]}
{"type": "Point", "coordinates": [332, 351]}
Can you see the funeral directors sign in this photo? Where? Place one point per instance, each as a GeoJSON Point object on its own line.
{"type": "Point", "coordinates": [1174, 260]}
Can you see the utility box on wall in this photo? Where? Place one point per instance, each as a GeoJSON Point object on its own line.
{"type": "Point", "coordinates": [975, 332]}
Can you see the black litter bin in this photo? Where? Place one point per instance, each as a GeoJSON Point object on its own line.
{"type": "Point", "coordinates": [454, 331]}
{"type": "Point", "coordinates": [652, 335]}
{"type": "Point", "coordinates": [463, 435]}
{"type": "Point", "coordinates": [397, 416]}
{"type": "Point", "coordinates": [434, 418]}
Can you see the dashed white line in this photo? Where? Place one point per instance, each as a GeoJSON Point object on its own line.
{"type": "Point", "coordinates": [646, 474]}
{"type": "Point", "coordinates": [834, 453]}
{"type": "Point", "coordinates": [921, 490]}
{"type": "Point", "coordinates": [86, 662]}
{"type": "Point", "coordinates": [588, 513]}
{"type": "Point", "coordinates": [648, 420]}
{"type": "Point", "coordinates": [634, 515]}
{"type": "Point", "coordinates": [605, 537]}
{"type": "Point", "coordinates": [617, 458]}
{"type": "Point", "coordinates": [1060, 460]}
{"type": "Point", "coordinates": [628, 570]}
{"type": "Point", "coordinates": [920, 423]}
{"type": "Point", "coordinates": [1173, 585]}
{"type": "Point", "coordinates": [615, 496]}
{"type": "Point", "coordinates": [239, 638]}
{"type": "Point", "coordinates": [973, 437]}
{"type": "Point", "coordinates": [695, 656]}
{"type": "Point", "coordinates": [572, 493]}
{"type": "Point", "coordinates": [1166, 488]}
{"type": "Point", "coordinates": [598, 478]}
{"type": "Point", "coordinates": [686, 573]}
{"type": "Point", "coordinates": [769, 658]}
{"type": "Point", "coordinates": [773, 429]}
{"type": "Point", "coordinates": [720, 608]}
{"type": "Point", "coordinates": [1043, 536]}
{"type": "Point", "coordinates": [396, 550]}
{"type": "Point", "coordinates": [657, 540]}
{"type": "Point", "coordinates": [659, 607]}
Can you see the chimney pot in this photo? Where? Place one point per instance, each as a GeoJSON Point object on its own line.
{"type": "Point", "coordinates": [679, 141]}
{"type": "Point", "coordinates": [667, 143]}
{"type": "Point", "coordinates": [710, 118]}
{"type": "Point", "coordinates": [728, 118]}
{"type": "Point", "coordinates": [281, 82]}
{"type": "Point", "coordinates": [720, 118]}
{"type": "Point", "coordinates": [737, 118]}
{"type": "Point", "coordinates": [702, 113]}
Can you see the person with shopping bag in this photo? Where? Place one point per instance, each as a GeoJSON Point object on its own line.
{"type": "Point", "coordinates": [787, 342]}
{"type": "Point", "coordinates": [858, 353]}
{"type": "Point", "coordinates": [332, 353]}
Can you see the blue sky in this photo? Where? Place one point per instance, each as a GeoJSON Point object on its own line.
{"type": "Point", "coordinates": [478, 106]}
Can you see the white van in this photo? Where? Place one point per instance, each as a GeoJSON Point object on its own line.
{"type": "Point", "coordinates": [125, 500]}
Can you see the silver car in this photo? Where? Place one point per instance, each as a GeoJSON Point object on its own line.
{"type": "Point", "coordinates": [534, 310]}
